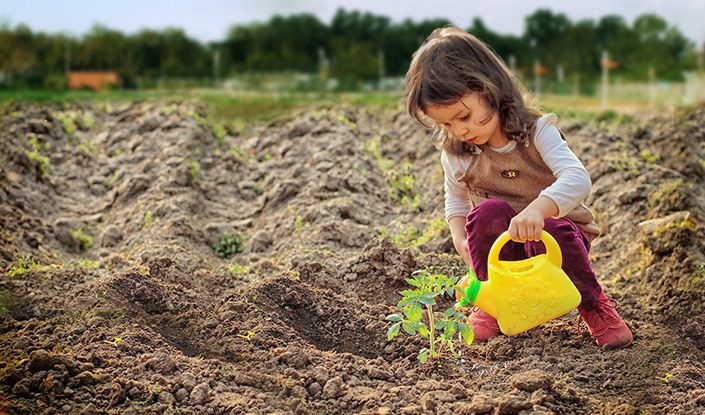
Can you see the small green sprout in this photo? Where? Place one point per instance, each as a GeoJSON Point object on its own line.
{"type": "Point", "coordinates": [194, 170]}
{"type": "Point", "coordinates": [85, 263]}
{"type": "Point", "coordinates": [36, 156]}
{"type": "Point", "coordinates": [235, 268]}
{"type": "Point", "coordinates": [85, 239]}
{"type": "Point", "coordinates": [114, 343]}
{"type": "Point", "coordinates": [299, 224]}
{"type": "Point", "coordinates": [23, 265]}
{"type": "Point", "coordinates": [247, 336]}
{"type": "Point", "coordinates": [67, 122]}
{"type": "Point", "coordinates": [230, 244]}
{"type": "Point", "coordinates": [649, 156]}
{"type": "Point", "coordinates": [666, 377]}
{"type": "Point", "coordinates": [427, 287]}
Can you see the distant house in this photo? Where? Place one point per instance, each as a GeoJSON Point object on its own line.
{"type": "Point", "coordinates": [95, 80]}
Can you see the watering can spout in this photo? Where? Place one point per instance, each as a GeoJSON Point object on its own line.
{"type": "Point", "coordinates": [476, 293]}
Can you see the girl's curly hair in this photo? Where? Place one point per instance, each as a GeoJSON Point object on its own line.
{"type": "Point", "coordinates": [452, 63]}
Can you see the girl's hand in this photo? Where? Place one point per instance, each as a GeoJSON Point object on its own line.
{"type": "Point", "coordinates": [526, 226]}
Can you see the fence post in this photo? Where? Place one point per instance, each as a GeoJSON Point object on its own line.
{"type": "Point", "coordinates": [380, 58]}
{"type": "Point", "coordinates": [652, 87]}
{"type": "Point", "coordinates": [605, 78]}
{"type": "Point", "coordinates": [216, 66]}
{"type": "Point", "coordinates": [537, 77]}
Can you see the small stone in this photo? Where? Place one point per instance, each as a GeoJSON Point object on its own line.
{"type": "Point", "coordinates": [480, 404]}
{"type": "Point", "coordinates": [649, 226]}
{"type": "Point", "coordinates": [299, 392]}
{"type": "Point", "coordinates": [66, 408]}
{"type": "Point", "coordinates": [42, 360]}
{"type": "Point", "coordinates": [430, 400]}
{"type": "Point", "coordinates": [532, 380]}
{"type": "Point", "coordinates": [333, 388]}
{"type": "Point", "coordinates": [295, 358]}
{"type": "Point", "coordinates": [199, 394]}
{"type": "Point", "coordinates": [314, 388]}
{"type": "Point", "coordinates": [181, 394]}
{"type": "Point", "coordinates": [428, 403]}
{"type": "Point", "coordinates": [162, 363]}
{"type": "Point", "coordinates": [320, 374]}
{"type": "Point", "coordinates": [459, 391]}
{"type": "Point", "coordinates": [513, 404]}
{"type": "Point", "coordinates": [379, 373]}
{"type": "Point", "coordinates": [188, 381]}
{"type": "Point", "coordinates": [21, 388]}
{"type": "Point", "coordinates": [166, 398]}
{"type": "Point", "coordinates": [538, 397]}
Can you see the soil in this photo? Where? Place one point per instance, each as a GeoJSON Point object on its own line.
{"type": "Point", "coordinates": [133, 311]}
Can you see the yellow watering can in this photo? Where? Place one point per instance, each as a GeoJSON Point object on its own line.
{"type": "Point", "coordinates": [522, 294]}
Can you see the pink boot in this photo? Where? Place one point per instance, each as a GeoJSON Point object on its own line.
{"type": "Point", "coordinates": [483, 325]}
{"type": "Point", "coordinates": [605, 324]}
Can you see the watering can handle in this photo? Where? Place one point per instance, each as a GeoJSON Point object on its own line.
{"type": "Point", "coordinates": [553, 251]}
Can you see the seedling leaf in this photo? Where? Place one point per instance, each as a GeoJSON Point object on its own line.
{"type": "Point", "coordinates": [393, 331]}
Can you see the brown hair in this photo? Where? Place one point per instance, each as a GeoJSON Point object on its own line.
{"type": "Point", "coordinates": [452, 63]}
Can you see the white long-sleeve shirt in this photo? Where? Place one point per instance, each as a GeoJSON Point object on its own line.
{"type": "Point", "coordinates": [572, 183]}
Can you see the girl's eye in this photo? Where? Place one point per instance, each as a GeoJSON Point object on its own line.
{"type": "Point", "coordinates": [465, 118]}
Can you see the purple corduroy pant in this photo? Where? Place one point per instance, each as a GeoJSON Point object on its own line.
{"type": "Point", "coordinates": [491, 217]}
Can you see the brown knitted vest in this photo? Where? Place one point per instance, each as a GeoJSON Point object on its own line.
{"type": "Point", "coordinates": [517, 177]}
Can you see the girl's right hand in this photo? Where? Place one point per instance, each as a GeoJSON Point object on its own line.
{"type": "Point", "coordinates": [463, 283]}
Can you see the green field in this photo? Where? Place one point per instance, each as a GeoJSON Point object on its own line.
{"type": "Point", "coordinates": [237, 108]}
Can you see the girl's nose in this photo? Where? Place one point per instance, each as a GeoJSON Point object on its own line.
{"type": "Point", "coordinates": [460, 131]}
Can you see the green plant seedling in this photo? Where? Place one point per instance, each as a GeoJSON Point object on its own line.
{"type": "Point", "coordinates": [230, 244]}
{"type": "Point", "coordinates": [440, 330]}
{"type": "Point", "coordinates": [23, 265]}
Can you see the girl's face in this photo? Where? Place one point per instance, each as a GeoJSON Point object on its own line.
{"type": "Point", "coordinates": [470, 119]}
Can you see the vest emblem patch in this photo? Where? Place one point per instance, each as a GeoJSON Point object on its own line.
{"type": "Point", "coordinates": [510, 174]}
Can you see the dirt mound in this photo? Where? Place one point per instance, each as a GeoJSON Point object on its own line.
{"type": "Point", "coordinates": [115, 296]}
{"type": "Point", "coordinates": [646, 188]}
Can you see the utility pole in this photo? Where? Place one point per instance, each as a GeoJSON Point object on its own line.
{"type": "Point", "coordinates": [323, 65]}
{"type": "Point", "coordinates": [216, 65]}
{"type": "Point", "coordinates": [67, 56]}
{"type": "Point", "coordinates": [380, 58]}
{"type": "Point", "coordinates": [700, 95]}
{"type": "Point", "coordinates": [513, 64]}
{"type": "Point", "coordinates": [537, 76]}
{"type": "Point", "coordinates": [605, 77]}
{"type": "Point", "coordinates": [652, 87]}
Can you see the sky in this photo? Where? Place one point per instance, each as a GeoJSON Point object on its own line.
{"type": "Point", "coordinates": [209, 20]}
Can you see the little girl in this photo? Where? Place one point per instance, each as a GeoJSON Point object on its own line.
{"type": "Point", "coordinates": [506, 168]}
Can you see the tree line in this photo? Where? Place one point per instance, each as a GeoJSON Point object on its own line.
{"type": "Point", "coordinates": [355, 46]}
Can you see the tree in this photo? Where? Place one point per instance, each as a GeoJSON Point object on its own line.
{"type": "Point", "coordinates": [543, 33]}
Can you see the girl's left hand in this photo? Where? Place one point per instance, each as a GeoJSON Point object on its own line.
{"type": "Point", "coordinates": [526, 226]}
